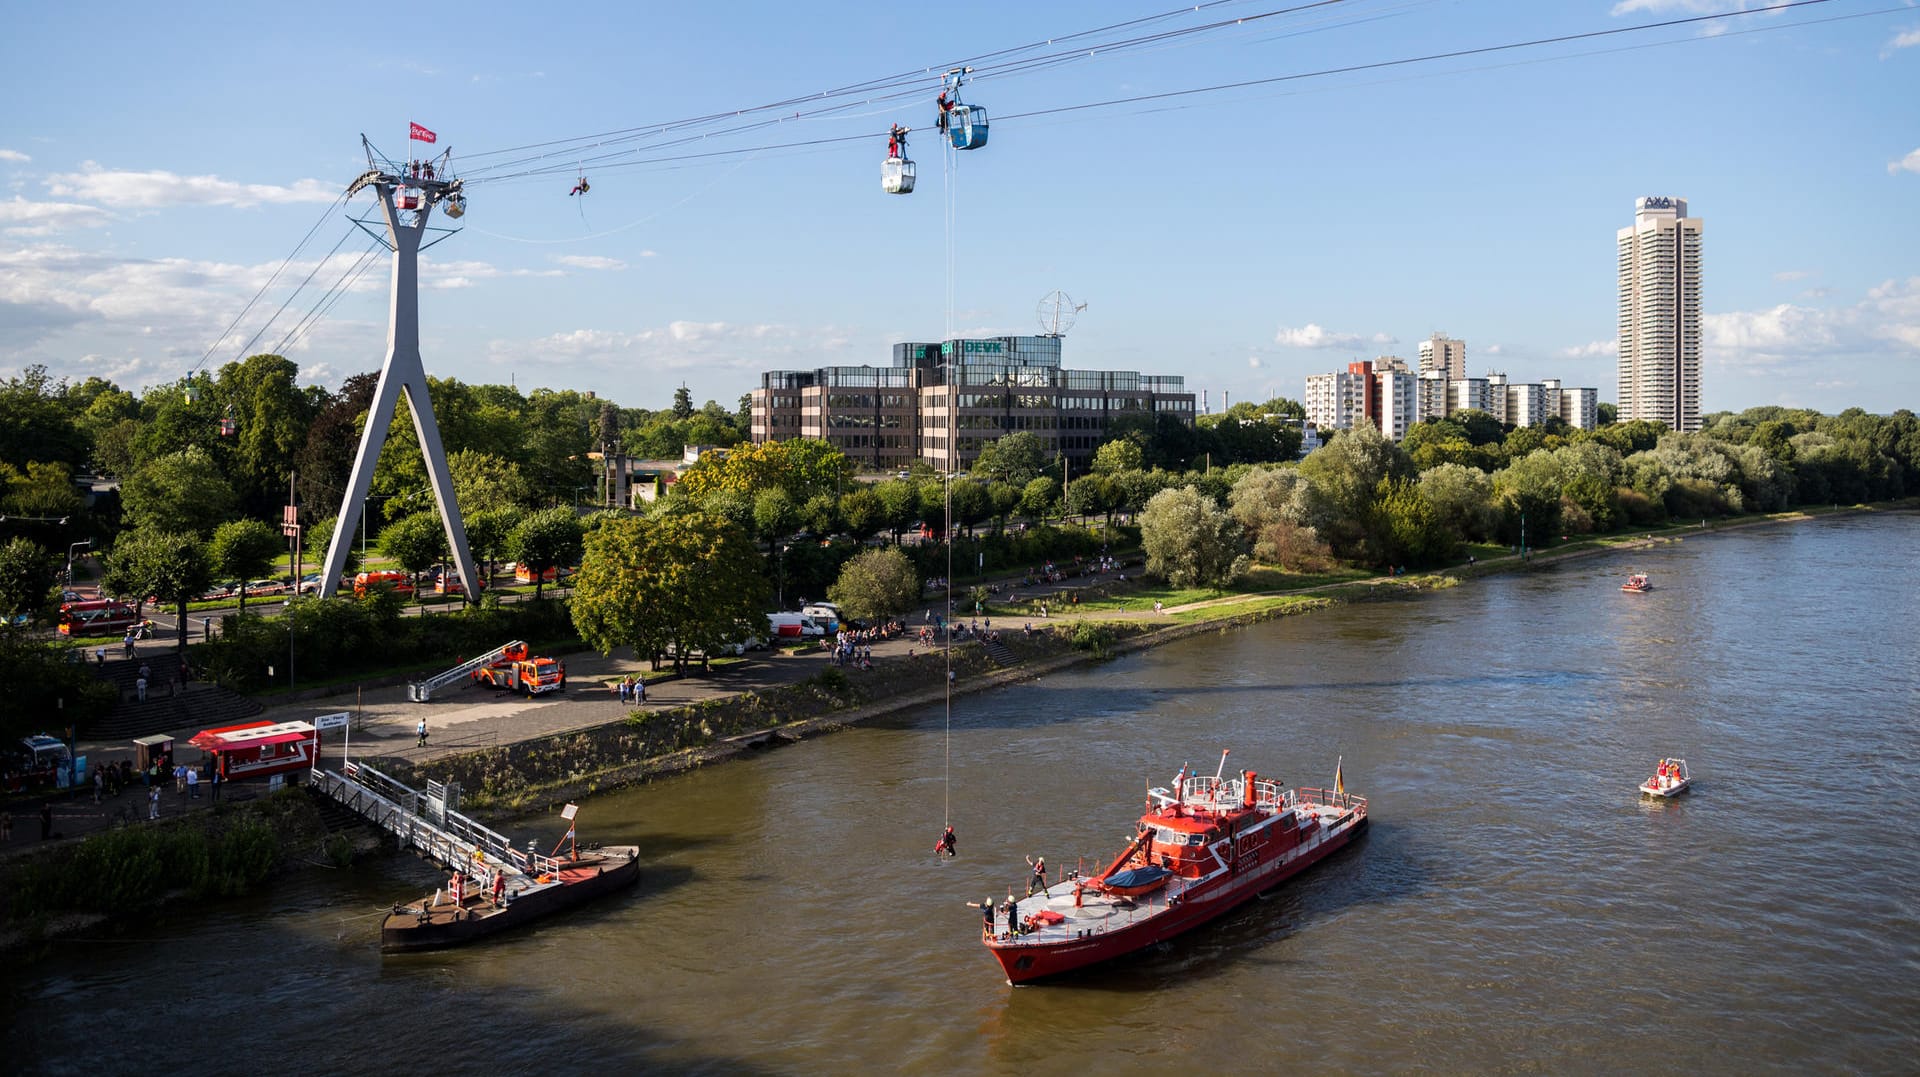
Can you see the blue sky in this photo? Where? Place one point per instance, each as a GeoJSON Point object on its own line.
{"type": "Point", "coordinates": [159, 166]}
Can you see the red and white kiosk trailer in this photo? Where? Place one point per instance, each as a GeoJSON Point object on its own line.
{"type": "Point", "coordinates": [260, 749]}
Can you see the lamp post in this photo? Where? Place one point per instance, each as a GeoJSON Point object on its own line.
{"type": "Point", "coordinates": [70, 548]}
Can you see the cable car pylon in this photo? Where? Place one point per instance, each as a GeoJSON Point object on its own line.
{"type": "Point", "coordinates": [406, 201]}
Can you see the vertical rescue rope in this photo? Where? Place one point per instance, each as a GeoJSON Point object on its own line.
{"type": "Point", "coordinates": [951, 463]}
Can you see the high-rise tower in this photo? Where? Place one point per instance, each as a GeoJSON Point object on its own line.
{"type": "Point", "coordinates": [1660, 314]}
{"type": "Point", "coordinates": [1444, 354]}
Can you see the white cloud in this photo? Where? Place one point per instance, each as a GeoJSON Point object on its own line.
{"type": "Point", "coordinates": [1313, 335]}
{"type": "Point", "coordinates": [157, 188]}
{"type": "Point", "coordinates": [464, 273]}
{"type": "Point", "coordinates": [20, 217]}
{"type": "Point", "coordinates": [1905, 39]}
{"type": "Point", "coordinates": [1492, 349]}
{"type": "Point", "coordinates": [1691, 7]}
{"type": "Point", "coordinates": [683, 345]}
{"type": "Point", "coordinates": [1909, 163]}
{"type": "Point", "coordinates": [13, 155]}
{"type": "Point", "coordinates": [1253, 362]}
{"type": "Point", "coordinates": [1593, 350]}
{"type": "Point", "coordinates": [1792, 335]}
{"type": "Point", "coordinates": [589, 261]}
{"type": "Point", "coordinates": [1786, 275]}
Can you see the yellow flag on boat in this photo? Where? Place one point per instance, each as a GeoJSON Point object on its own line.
{"type": "Point", "coordinates": [1339, 784]}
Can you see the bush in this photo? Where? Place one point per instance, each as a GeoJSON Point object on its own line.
{"type": "Point", "coordinates": [1094, 637]}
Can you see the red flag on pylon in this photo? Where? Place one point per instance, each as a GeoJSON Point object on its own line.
{"type": "Point", "coordinates": [418, 133]}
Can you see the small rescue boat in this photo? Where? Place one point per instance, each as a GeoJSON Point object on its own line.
{"type": "Point", "coordinates": [1669, 780]}
{"type": "Point", "coordinates": [1637, 584]}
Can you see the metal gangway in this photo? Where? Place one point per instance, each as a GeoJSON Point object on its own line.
{"type": "Point", "coordinates": [428, 824]}
{"type": "Point", "coordinates": [422, 691]}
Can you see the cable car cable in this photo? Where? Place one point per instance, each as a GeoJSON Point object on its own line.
{"type": "Point", "coordinates": [211, 348]}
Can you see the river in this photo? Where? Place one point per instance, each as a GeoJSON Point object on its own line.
{"type": "Point", "coordinates": [1515, 907]}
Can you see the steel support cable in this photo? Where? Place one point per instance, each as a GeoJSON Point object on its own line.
{"type": "Point", "coordinates": [884, 81]}
{"type": "Point", "coordinates": [211, 348]}
{"type": "Point", "coordinates": [1277, 79]}
{"type": "Point", "coordinates": [909, 85]}
{"type": "Point", "coordinates": [348, 277]}
{"type": "Point", "coordinates": [251, 341]}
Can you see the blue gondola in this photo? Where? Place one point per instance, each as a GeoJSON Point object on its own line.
{"type": "Point", "coordinates": [967, 126]}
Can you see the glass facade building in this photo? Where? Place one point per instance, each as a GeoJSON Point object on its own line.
{"type": "Point", "coordinates": [941, 402]}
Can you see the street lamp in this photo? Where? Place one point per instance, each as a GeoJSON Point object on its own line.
{"type": "Point", "coordinates": [70, 548]}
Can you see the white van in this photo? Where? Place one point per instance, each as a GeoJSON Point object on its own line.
{"type": "Point", "coordinates": [794, 626]}
{"type": "Point", "coordinates": [825, 614]}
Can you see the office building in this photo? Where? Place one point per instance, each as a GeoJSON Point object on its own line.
{"type": "Point", "coordinates": [979, 390]}
{"type": "Point", "coordinates": [1659, 262]}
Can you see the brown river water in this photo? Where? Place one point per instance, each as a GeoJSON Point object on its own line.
{"type": "Point", "coordinates": [1515, 907]}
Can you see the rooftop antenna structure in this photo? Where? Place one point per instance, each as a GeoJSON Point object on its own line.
{"type": "Point", "coordinates": [406, 200]}
{"type": "Point", "coordinates": [1057, 311]}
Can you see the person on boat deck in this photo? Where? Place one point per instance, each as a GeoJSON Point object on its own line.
{"type": "Point", "coordinates": [985, 906]}
{"type": "Point", "coordinates": [1039, 880]}
{"type": "Point", "coordinates": [949, 844]}
{"type": "Point", "coordinates": [1013, 915]}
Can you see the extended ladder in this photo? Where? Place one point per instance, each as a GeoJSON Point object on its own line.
{"type": "Point", "coordinates": [422, 691]}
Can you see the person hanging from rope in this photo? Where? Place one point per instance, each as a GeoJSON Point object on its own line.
{"type": "Point", "coordinates": [942, 104]}
{"type": "Point", "coordinates": [948, 845]}
{"type": "Point", "coordinates": [579, 188]}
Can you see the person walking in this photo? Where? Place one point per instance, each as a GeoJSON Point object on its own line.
{"type": "Point", "coordinates": [153, 802]}
{"type": "Point", "coordinates": [420, 730]}
{"type": "Point", "coordinates": [126, 644]}
{"type": "Point", "coordinates": [640, 689]}
{"type": "Point", "coordinates": [180, 779]}
{"type": "Point", "coordinates": [140, 689]}
{"type": "Point", "coordinates": [193, 782]}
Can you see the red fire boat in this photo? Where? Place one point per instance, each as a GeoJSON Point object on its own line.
{"type": "Point", "coordinates": [1203, 848]}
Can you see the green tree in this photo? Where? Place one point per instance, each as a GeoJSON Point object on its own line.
{"type": "Point", "coordinates": [243, 549]}
{"type": "Point", "coordinates": [484, 482]}
{"type": "Point", "coordinates": [27, 576]}
{"type": "Point", "coordinates": [679, 581]}
{"type": "Point", "coordinates": [1015, 459]}
{"type": "Point", "coordinates": [1190, 540]}
{"type": "Point", "coordinates": [271, 417]}
{"type": "Point", "coordinates": [821, 514]}
{"type": "Point", "coordinates": [43, 686]}
{"type": "Point", "coordinates": [182, 491]}
{"type": "Point", "coordinates": [1462, 499]}
{"type": "Point", "coordinates": [682, 404]}
{"type": "Point", "coordinates": [171, 566]}
{"type": "Point", "coordinates": [900, 504]}
{"type": "Point", "coordinates": [1121, 454]}
{"type": "Point", "coordinates": [774, 516]}
{"type": "Point", "coordinates": [863, 512]}
{"type": "Point", "coordinates": [487, 532]}
{"type": "Point", "coordinates": [1408, 531]}
{"type": "Point", "coordinates": [544, 540]}
{"type": "Point", "coordinates": [34, 421]}
{"type": "Point", "coordinates": [418, 542]}
{"type": "Point", "coordinates": [1039, 497]}
{"type": "Point", "coordinates": [876, 584]}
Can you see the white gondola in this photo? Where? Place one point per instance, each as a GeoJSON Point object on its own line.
{"type": "Point", "coordinates": [896, 175]}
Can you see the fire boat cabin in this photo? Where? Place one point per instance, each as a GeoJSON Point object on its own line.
{"type": "Point", "coordinates": [260, 749]}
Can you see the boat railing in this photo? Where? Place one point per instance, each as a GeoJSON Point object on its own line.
{"type": "Point", "coordinates": [1332, 799]}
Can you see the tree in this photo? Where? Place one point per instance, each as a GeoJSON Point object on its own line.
{"type": "Point", "coordinates": [271, 418]}
{"type": "Point", "coordinates": [487, 532]}
{"type": "Point", "coordinates": [900, 505]}
{"type": "Point", "coordinates": [774, 516]}
{"type": "Point", "coordinates": [803, 467]}
{"type": "Point", "coordinates": [418, 542]}
{"type": "Point", "coordinates": [1407, 529]}
{"type": "Point", "coordinates": [1190, 540]}
{"type": "Point", "coordinates": [1015, 459]}
{"type": "Point", "coordinates": [544, 540]}
{"type": "Point", "coordinates": [1461, 498]}
{"type": "Point", "coordinates": [682, 404]}
{"type": "Point", "coordinates": [182, 491]}
{"type": "Point", "coordinates": [27, 575]}
{"type": "Point", "coordinates": [863, 513]}
{"type": "Point", "coordinates": [1121, 454]}
{"type": "Point", "coordinates": [875, 584]}
{"type": "Point", "coordinates": [243, 549]}
{"type": "Point", "coordinates": [34, 422]}
{"type": "Point", "coordinates": [172, 567]}
{"type": "Point", "coordinates": [483, 481]}
{"type": "Point", "coordinates": [1607, 414]}
{"type": "Point", "coordinates": [1039, 497]}
{"type": "Point", "coordinates": [679, 581]}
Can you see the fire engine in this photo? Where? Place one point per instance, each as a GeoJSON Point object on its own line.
{"type": "Point", "coordinates": [514, 671]}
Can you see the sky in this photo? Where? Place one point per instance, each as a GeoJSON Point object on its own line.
{"type": "Point", "coordinates": [161, 163]}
